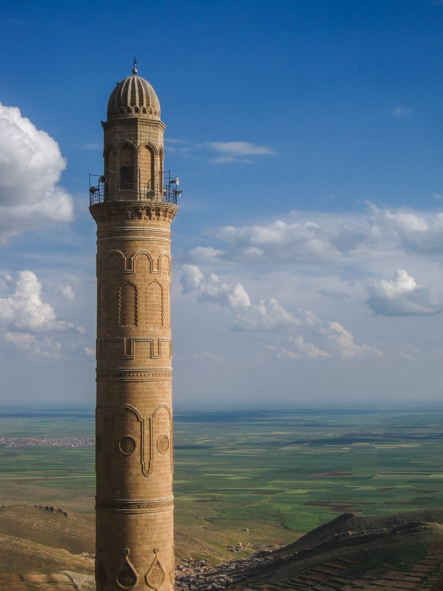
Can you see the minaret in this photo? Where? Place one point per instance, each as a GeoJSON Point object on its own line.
{"type": "Point", "coordinates": [133, 204]}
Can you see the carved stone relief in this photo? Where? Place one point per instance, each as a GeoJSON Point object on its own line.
{"type": "Point", "coordinates": [141, 261]}
{"type": "Point", "coordinates": [162, 431]}
{"type": "Point", "coordinates": [143, 435]}
{"type": "Point", "coordinates": [155, 577]}
{"type": "Point", "coordinates": [127, 445]}
{"type": "Point", "coordinates": [127, 576]}
{"type": "Point", "coordinates": [154, 314]}
{"type": "Point", "coordinates": [135, 506]}
{"type": "Point", "coordinates": [125, 348]}
{"type": "Point", "coordinates": [134, 374]}
{"type": "Point", "coordinates": [163, 444]}
{"type": "Point", "coordinates": [121, 212]}
{"type": "Point", "coordinates": [165, 263]}
{"type": "Point", "coordinates": [100, 572]}
{"type": "Point", "coordinates": [127, 305]}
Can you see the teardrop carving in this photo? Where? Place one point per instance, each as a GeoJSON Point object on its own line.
{"type": "Point", "coordinates": [127, 576]}
{"type": "Point", "coordinates": [100, 573]}
{"type": "Point", "coordinates": [155, 577]}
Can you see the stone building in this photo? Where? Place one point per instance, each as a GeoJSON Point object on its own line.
{"type": "Point", "coordinates": [133, 204]}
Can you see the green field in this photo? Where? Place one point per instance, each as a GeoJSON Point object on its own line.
{"type": "Point", "coordinates": [275, 473]}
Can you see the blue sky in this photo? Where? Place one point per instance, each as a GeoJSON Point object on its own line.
{"type": "Point", "coordinates": [308, 138]}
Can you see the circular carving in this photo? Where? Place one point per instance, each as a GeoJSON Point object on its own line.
{"type": "Point", "coordinates": [127, 445]}
{"type": "Point", "coordinates": [98, 445]}
{"type": "Point", "coordinates": [163, 444]}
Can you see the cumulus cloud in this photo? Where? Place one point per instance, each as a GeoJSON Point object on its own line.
{"type": "Point", "coordinates": [30, 168]}
{"type": "Point", "coordinates": [266, 315]}
{"type": "Point", "coordinates": [23, 309]}
{"type": "Point", "coordinates": [413, 232]}
{"type": "Point", "coordinates": [402, 296]}
{"type": "Point", "coordinates": [44, 347]}
{"type": "Point", "coordinates": [67, 291]}
{"type": "Point", "coordinates": [269, 316]}
{"type": "Point", "coordinates": [295, 241]}
{"type": "Point", "coordinates": [342, 343]}
{"type": "Point", "coordinates": [327, 238]}
{"type": "Point", "coordinates": [300, 349]}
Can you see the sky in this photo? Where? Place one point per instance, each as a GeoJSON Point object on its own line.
{"type": "Point", "coordinates": [307, 249]}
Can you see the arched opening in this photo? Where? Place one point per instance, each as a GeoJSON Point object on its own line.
{"type": "Point", "coordinates": [148, 167]}
{"type": "Point", "coordinates": [126, 168]}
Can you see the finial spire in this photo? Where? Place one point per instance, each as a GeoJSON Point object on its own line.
{"type": "Point", "coordinates": [134, 70]}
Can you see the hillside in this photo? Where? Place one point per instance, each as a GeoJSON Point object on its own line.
{"type": "Point", "coordinates": [399, 551]}
{"type": "Point", "coordinates": [49, 548]}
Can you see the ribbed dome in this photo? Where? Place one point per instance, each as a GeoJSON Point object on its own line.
{"type": "Point", "coordinates": [133, 97]}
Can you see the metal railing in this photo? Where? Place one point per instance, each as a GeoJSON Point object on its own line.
{"type": "Point", "coordinates": [96, 190]}
{"type": "Point", "coordinates": [164, 190]}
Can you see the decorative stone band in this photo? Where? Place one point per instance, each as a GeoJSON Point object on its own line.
{"type": "Point", "coordinates": [122, 211]}
{"type": "Point", "coordinates": [135, 375]}
{"type": "Point", "coordinates": [126, 233]}
{"type": "Point", "coordinates": [135, 506]}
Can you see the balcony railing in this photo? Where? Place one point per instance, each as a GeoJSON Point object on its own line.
{"type": "Point", "coordinates": [162, 188]}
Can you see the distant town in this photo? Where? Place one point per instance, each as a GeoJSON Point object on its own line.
{"type": "Point", "coordinates": [20, 442]}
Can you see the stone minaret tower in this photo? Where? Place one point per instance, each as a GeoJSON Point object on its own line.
{"type": "Point", "coordinates": [133, 205]}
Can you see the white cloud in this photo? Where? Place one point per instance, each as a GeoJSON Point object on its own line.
{"type": "Point", "coordinates": [326, 238]}
{"type": "Point", "coordinates": [400, 111]}
{"type": "Point", "coordinates": [414, 233]}
{"type": "Point", "coordinates": [30, 167]}
{"type": "Point", "coordinates": [342, 343]}
{"type": "Point", "coordinates": [225, 151]}
{"type": "Point", "coordinates": [267, 315]}
{"type": "Point", "coordinates": [239, 151]}
{"type": "Point", "coordinates": [296, 241]}
{"type": "Point", "coordinates": [204, 253]}
{"type": "Point", "coordinates": [270, 316]}
{"type": "Point", "coordinates": [301, 349]}
{"type": "Point", "coordinates": [91, 147]}
{"type": "Point", "coordinates": [45, 347]}
{"type": "Point", "coordinates": [24, 310]}
{"type": "Point", "coordinates": [401, 296]}
{"type": "Point", "coordinates": [67, 291]}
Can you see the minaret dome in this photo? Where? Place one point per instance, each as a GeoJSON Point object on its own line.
{"type": "Point", "coordinates": [133, 97]}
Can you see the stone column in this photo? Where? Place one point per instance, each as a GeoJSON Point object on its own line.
{"type": "Point", "coordinates": [134, 464]}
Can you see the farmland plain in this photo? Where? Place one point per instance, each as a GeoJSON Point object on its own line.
{"type": "Point", "coordinates": [276, 474]}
